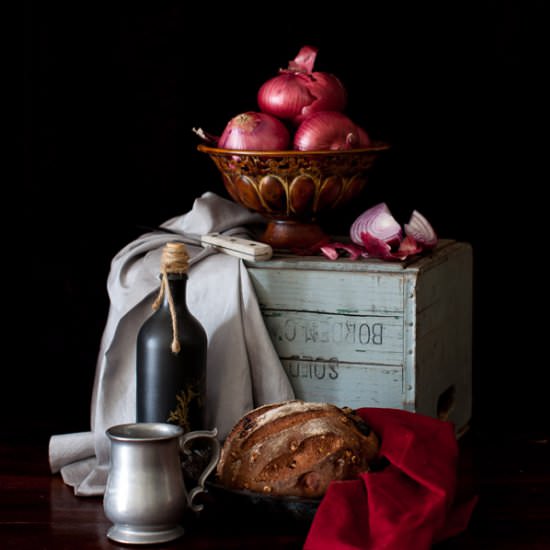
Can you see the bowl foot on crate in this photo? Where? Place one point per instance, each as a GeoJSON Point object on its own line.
{"type": "Point", "coordinates": [289, 235]}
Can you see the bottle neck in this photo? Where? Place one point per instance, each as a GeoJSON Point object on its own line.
{"type": "Point", "coordinates": [178, 289]}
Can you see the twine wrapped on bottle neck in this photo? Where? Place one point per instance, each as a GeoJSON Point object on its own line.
{"type": "Point", "coordinates": [174, 259]}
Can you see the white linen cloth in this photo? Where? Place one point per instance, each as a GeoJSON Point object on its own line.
{"type": "Point", "coordinates": [243, 369]}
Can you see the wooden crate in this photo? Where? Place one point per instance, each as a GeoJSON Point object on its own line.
{"type": "Point", "coordinates": [372, 333]}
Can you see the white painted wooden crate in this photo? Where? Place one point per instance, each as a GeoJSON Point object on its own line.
{"type": "Point", "coordinates": [368, 333]}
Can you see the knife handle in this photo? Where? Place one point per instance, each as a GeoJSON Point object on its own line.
{"type": "Point", "coordinates": [237, 246]}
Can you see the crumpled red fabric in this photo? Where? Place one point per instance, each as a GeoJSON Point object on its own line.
{"type": "Point", "coordinates": [410, 504]}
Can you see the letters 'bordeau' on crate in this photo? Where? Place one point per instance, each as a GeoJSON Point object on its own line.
{"type": "Point", "coordinates": [374, 334]}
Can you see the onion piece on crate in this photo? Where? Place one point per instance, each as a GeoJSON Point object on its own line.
{"type": "Point", "coordinates": [408, 247]}
{"type": "Point", "coordinates": [381, 236]}
{"type": "Point", "coordinates": [330, 251]}
{"type": "Point", "coordinates": [377, 248]}
{"type": "Point", "coordinates": [351, 251]}
{"type": "Point", "coordinates": [420, 229]}
{"type": "Point", "coordinates": [378, 222]}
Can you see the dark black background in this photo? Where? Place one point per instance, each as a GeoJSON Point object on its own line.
{"type": "Point", "coordinates": [112, 92]}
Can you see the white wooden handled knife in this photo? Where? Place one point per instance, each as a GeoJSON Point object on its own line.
{"type": "Point", "coordinates": [237, 246]}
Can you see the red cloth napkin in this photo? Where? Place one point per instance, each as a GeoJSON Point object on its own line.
{"type": "Point", "coordinates": [407, 505]}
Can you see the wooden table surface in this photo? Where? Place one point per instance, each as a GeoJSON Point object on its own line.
{"type": "Point", "coordinates": [511, 475]}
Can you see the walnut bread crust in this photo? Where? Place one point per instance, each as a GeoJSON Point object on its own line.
{"type": "Point", "coordinates": [296, 448]}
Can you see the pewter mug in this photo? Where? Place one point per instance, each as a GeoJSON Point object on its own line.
{"type": "Point", "coordinates": [145, 496]}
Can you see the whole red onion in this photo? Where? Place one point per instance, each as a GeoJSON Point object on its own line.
{"type": "Point", "coordinates": [254, 132]}
{"type": "Point", "coordinates": [298, 91]}
{"type": "Point", "coordinates": [329, 130]}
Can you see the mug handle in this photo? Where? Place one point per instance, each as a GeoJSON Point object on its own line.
{"type": "Point", "coordinates": [183, 440]}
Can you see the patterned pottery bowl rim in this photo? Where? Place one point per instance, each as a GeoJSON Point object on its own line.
{"type": "Point", "coordinates": [376, 146]}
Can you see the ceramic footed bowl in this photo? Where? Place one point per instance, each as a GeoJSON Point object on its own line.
{"type": "Point", "coordinates": [292, 189]}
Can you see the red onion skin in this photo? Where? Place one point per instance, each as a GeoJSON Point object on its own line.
{"type": "Point", "coordinates": [305, 60]}
{"type": "Point", "coordinates": [408, 247]}
{"type": "Point", "coordinates": [329, 130]}
{"type": "Point", "coordinates": [298, 91]}
{"type": "Point", "coordinates": [254, 131]}
{"type": "Point", "coordinates": [331, 250]}
{"type": "Point", "coordinates": [376, 248]}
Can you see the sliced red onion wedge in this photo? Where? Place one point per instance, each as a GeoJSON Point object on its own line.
{"type": "Point", "coordinates": [378, 223]}
{"type": "Point", "coordinates": [420, 229]}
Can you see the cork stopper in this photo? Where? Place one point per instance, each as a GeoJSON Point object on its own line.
{"type": "Point", "coordinates": [174, 259]}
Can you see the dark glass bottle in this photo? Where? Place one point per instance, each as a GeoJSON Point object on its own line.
{"type": "Point", "coordinates": [171, 352]}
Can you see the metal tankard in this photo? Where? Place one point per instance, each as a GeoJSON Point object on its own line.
{"type": "Point", "coordinates": [145, 496]}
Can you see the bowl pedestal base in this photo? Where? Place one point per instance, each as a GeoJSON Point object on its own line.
{"type": "Point", "coordinates": [292, 235]}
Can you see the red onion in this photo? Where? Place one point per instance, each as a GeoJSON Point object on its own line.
{"type": "Point", "coordinates": [298, 91]}
{"type": "Point", "coordinates": [421, 230]}
{"type": "Point", "coordinates": [377, 222]}
{"type": "Point", "coordinates": [329, 130]}
{"type": "Point", "coordinates": [255, 132]}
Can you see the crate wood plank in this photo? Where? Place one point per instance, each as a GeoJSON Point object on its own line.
{"type": "Point", "coordinates": [346, 384]}
{"type": "Point", "coordinates": [328, 291]}
{"type": "Point", "coordinates": [350, 338]}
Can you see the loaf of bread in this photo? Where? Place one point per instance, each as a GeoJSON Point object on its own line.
{"type": "Point", "coordinates": [295, 448]}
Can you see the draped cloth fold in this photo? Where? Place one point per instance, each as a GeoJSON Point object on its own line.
{"type": "Point", "coordinates": [410, 504]}
{"type": "Point", "coordinates": [243, 369]}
